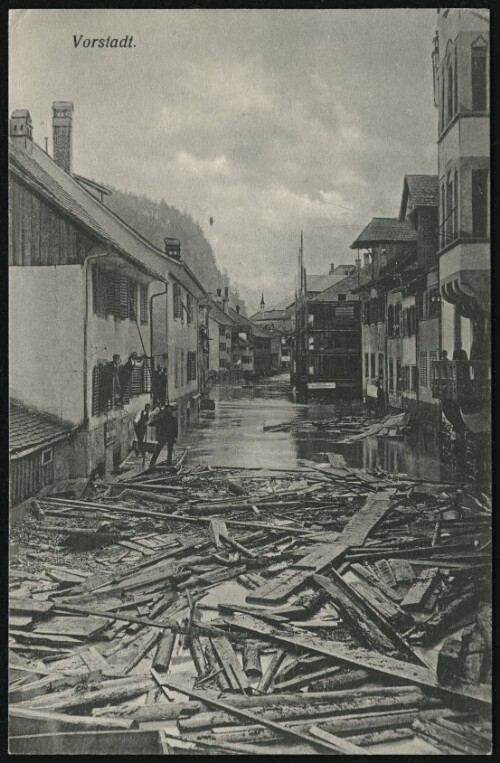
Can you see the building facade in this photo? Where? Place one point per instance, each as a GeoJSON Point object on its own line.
{"type": "Point", "coordinates": [95, 309]}
{"type": "Point", "coordinates": [462, 97]}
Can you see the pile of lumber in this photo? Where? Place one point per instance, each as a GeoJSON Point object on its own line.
{"type": "Point", "coordinates": [206, 610]}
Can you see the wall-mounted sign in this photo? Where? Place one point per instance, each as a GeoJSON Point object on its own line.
{"type": "Point", "coordinates": [371, 390]}
{"type": "Point", "coordinates": [109, 433]}
{"type": "Point", "coordinates": [322, 385]}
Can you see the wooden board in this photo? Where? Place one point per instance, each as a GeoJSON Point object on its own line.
{"type": "Point", "coordinates": [361, 658]}
{"type": "Point", "coordinates": [87, 743]}
{"type": "Point", "coordinates": [77, 627]}
{"type": "Point", "coordinates": [362, 523]}
{"type": "Point", "coordinates": [280, 587]}
{"type": "Point", "coordinates": [321, 556]}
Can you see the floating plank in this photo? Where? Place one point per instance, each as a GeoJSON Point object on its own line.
{"type": "Point", "coordinates": [363, 522]}
{"type": "Point", "coordinates": [321, 556]}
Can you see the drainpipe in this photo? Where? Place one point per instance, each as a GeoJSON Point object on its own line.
{"type": "Point", "coordinates": [97, 256]}
{"type": "Point", "coordinates": [159, 294]}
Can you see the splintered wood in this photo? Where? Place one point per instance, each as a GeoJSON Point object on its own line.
{"type": "Point", "coordinates": [236, 611]}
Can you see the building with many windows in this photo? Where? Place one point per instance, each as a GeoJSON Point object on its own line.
{"type": "Point", "coordinates": [100, 319]}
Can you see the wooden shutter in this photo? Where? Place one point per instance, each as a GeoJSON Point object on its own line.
{"type": "Point", "coordinates": [123, 295]}
{"type": "Point", "coordinates": [96, 374]}
{"type": "Point", "coordinates": [136, 383]}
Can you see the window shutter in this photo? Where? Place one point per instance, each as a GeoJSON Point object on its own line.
{"type": "Point", "coordinates": [110, 293]}
{"type": "Point", "coordinates": [144, 304]}
{"type": "Point", "coordinates": [132, 292]}
{"type": "Point", "coordinates": [146, 376]}
{"type": "Point", "coordinates": [136, 381]}
{"type": "Point", "coordinates": [95, 391]}
{"type": "Point", "coordinates": [123, 296]}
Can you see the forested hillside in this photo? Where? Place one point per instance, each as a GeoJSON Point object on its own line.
{"type": "Point", "coordinates": [156, 220]}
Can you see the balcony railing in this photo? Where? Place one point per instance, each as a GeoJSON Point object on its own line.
{"type": "Point", "coordinates": [461, 380]}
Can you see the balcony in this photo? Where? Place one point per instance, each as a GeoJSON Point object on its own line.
{"type": "Point", "coordinates": [465, 382]}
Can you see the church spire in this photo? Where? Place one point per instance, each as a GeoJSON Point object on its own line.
{"type": "Point", "coordinates": [262, 303]}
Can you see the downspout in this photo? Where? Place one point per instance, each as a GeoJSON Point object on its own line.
{"type": "Point", "coordinates": [97, 256]}
{"type": "Point", "coordinates": [159, 294]}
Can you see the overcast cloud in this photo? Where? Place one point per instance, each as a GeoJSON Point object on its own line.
{"type": "Point", "coordinates": [268, 121]}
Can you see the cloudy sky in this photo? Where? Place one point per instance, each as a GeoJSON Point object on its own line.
{"type": "Point", "coordinates": [268, 121]}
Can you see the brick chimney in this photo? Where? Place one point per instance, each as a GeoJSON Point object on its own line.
{"type": "Point", "coordinates": [226, 292]}
{"type": "Point", "coordinates": [332, 268]}
{"type": "Point", "coordinates": [62, 135]}
{"type": "Point", "coordinates": [219, 293]}
{"type": "Point", "coordinates": [21, 129]}
{"type": "Point", "coordinates": [172, 248]}
{"type": "Point", "coordinates": [238, 309]}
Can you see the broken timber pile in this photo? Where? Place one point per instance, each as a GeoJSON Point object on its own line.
{"type": "Point", "coordinates": [215, 610]}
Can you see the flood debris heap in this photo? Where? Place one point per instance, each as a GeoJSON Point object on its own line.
{"type": "Point", "coordinates": [202, 610]}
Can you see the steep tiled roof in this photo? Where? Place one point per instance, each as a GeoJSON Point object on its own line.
{"type": "Point", "coordinates": [237, 318]}
{"type": "Point", "coordinates": [321, 282]}
{"type": "Point", "coordinates": [24, 165]}
{"type": "Point", "coordinates": [348, 284]}
{"type": "Point", "coordinates": [29, 428]}
{"type": "Point", "coordinates": [39, 169]}
{"type": "Point", "coordinates": [385, 230]}
{"type": "Point", "coordinates": [424, 190]}
{"type": "Point", "coordinates": [219, 315]}
{"type": "Point", "coordinates": [270, 315]}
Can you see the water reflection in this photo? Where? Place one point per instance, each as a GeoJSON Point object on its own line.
{"type": "Point", "coordinates": [233, 435]}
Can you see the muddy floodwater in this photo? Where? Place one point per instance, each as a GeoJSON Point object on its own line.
{"type": "Point", "coordinates": [233, 434]}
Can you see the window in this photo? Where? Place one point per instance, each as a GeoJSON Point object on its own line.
{"type": "Point", "coordinates": [414, 378]}
{"type": "Point", "coordinates": [144, 306]}
{"type": "Point", "coordinates": [449, 209]}
{"type": "Point", "coordinates": [399, 377]}
{"type": "Point", "coordinates": [455, 205]}
{"type": "Point", "coordinates": [434, 302]}
{"type": "Point", "coordinates": [177, 301]}
{"type": "Point", "coordinates": [479, 76]}
{"type": "Point", "coordinates": [191, 366]}
{"type": "Point", "coordinates": [222, 363]}
{"type": "Point", "coordinates": [441, 110]}
{"type": "Point", "coordinates": [449, 114]}
{"type": "Point", "coordinates": [372, 366]}
{"type": "Point", "coordinates": [342, 297]}
{"type": "Point", "coordinates": [423, 370]}
{"type": "Point", "coordinates": [367, 366]}
{"type": "Point", "coordinates": [132, 299]}
{"type": "Point", "coordinates": [391, 375]}
{"type": "Point", "coordinates": [99, 290]}
{"type": "Point", "coordinates": [189, 307]}
{"type": "Point", "coordinates": [480, 203]}
{"type": "Point", "coordinates": [455, 80]}
{"type": "Point", "coordinates": [47, 456]}
{"type": "Point", "coordinates": [176, 367]}
{"type": "Point", "coordinates": [102, 388]}
{"type": "Point", "coordinates": [124, 297]}
{"type": "Point", "coordinates": [411, 321]}
{"type": "Point", "coordinates": [442, 239]}
{"type": "Point", "coordinates": [381, 365]}
{"type": "Point", "coordinates": [390, 320]}
{"type": "Point", "coordinates": [182, 368]}
{"type": "Point", "coordinates": [222, 346]}
{"type": "Point", "coordinates": [222, 331]}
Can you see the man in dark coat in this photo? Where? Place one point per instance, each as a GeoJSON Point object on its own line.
{"type": "Point", "coordinates": [166, 433]}
{"type": "Point", "coordinates": [140, 427]}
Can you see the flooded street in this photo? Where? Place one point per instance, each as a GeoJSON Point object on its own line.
{"type": "Point", "coordinates": [233, 434]}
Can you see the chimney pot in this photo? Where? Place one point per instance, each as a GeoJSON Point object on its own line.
{"type": "Point", "coordinates": [62, 138]}
{"type": "Point", "coordinates": [238, 309]}
{"type": "Point", "coordinates": [172, 248]}
{"type": "Point", "coordinates": [219, 292]}
{"type": "Point", "coordinates": [332, 268]}
{"type": "Point", "coordinates": [226, 292]}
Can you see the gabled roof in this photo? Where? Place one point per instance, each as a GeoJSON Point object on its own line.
{"type": "Point", "coordinates": [219, 315]}
{"type": "Point", "coordinates": [29, 428]}
{"type": "Point", "coordinates": [270, 315]}
{"type": "Point", "coordinates": [318, 283]}
{"type": "Point", "coordinates": [423, 191]}
{"type": "Point", "coordinates": [62, 189]}
{"type": "Point", "coordinates": [348, 284]}
{"type": "Point", "coordinates": [385, 230]}
{"type": "Point", "coordinates": [240, 320]}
